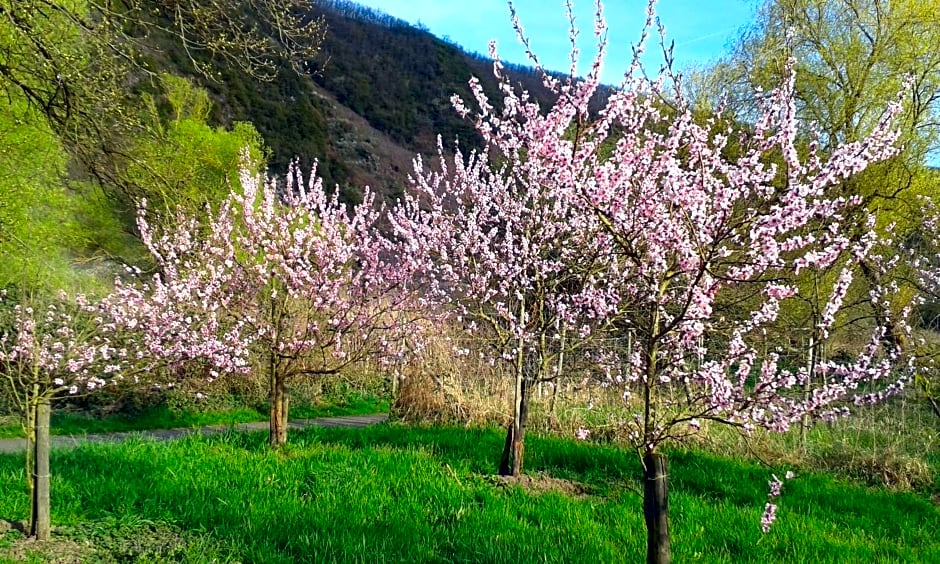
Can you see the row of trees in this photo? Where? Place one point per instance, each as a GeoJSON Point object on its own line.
{"type": "Point", "coordinates": [287, 281]}
{"type": "Point", "coordinates": [690, 233]}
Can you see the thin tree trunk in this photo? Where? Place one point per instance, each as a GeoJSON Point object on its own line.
{"type": "Point", "coordinates": [514, 448]}
{"type": "Point", "coordinates": [505, 461]}
{"type": "Point", "coordinates": [933, 405]}
{"type": "Point", "coordinates": [810, 369]}
{"type": "Point", "coordinates": [518, 437]}
{"type": "Point", "coordinates": [277, 436]}
{"type": "Point", "coordinates": [558, 372]}
{"type": "Point", "coordinates": [30, 429]}
{"type": "Point", "coordinates": [278, 424]}
{"type": "Point", "coordinates": [40, 523]}
{"type": "Point", "coordinates": [553, 401]}
{"type": "Point", "coordinates": [513, 451]}
{"type": "Point", "coordinates": [656, 508]}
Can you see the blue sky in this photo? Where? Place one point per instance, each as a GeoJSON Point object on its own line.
{"type": "Point", "coordinates": [701, 29]}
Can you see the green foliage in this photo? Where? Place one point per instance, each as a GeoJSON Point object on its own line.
{"type": "Point", "coordinates": [402, 494]}
{"type": "Point", "coordinates": [852, 59]}
{"type": "Point", "coordinates": [48, 224]}
{"type": "Point", "coordinates": [186, 101]}
{"type": "Point", "coordinates": [287, 113]}
{"type": "Point", "coordinates": [184, 163]}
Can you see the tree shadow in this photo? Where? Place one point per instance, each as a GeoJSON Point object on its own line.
{"type": "Point", "coordinates": [478, 450]}
{"type": "Point", "coordinates": [305, 501]}
{"type": "Point", "coordinates": [301, 505]}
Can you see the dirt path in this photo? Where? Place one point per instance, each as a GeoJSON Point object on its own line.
{"type": "Point", "coordinates": [12, 446]}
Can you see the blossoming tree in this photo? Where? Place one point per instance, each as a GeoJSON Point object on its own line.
{"type": "Point", "coordinates": [68, 347]}
{"type": "Point", "coordinates": [291, 278]}
{"type": "Point", "coordinates": [919, 261]}
{"type": "Point", "coordinates": [677, 230]}
{"type": "Point", "coordinates": [505, 262]}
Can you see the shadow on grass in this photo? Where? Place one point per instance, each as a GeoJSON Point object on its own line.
{"type": "Point", "coordinates": [478, 450]}
{"type": "Point", "coordinates": [345, 500]}
{"type": "Point", "coordinates": [409, 494]}
{"type": "Point", "coordinates": [742, 484]}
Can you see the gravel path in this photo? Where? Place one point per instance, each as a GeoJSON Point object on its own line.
{"type": "Point", "coordinates": [12, 446]}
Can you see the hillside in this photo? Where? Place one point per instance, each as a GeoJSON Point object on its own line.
{"type": "Point", "coordinates": [380, 94]}
{"type": "Point", "coordinates": [125, 116]}
{"type": "Point", "coordinates": [137, 121]}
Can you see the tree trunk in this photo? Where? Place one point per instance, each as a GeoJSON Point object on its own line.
{"type": "Point", "coordinates": [810, 371]}
{"type": "Point", "coordinates": [514, 449]}
{"type": "Point", "coordinates": [278, 424]}
{"type": "Point", "coordinates": [558, 375]}
{"type": "Point", "coordinates": [656, 508]}
{"type": "Point", "coordinates": [40, 523]}
{"type": "Point", "coordinates": [505, 461]}
{"type": "Point", "coordinates": [29, 428]}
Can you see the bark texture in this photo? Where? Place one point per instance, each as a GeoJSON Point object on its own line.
{"type": "Point", "coordinates": [40, 523]}
{"type": "Point", "coordinates": [656, 508]}
{"type": "Point", "coordinates": [278, 423]}
{"type": "Point", "coordinates": [514, 450]}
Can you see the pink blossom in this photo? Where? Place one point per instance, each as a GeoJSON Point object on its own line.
{"type": "Point", "coordinates": [291, 272]}
{"type": "Point", "coordinates": [589, 224]}
{"type": "Point", "coordinates": [768, 518]}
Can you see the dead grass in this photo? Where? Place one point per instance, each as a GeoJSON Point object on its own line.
{"type": "Point", "coordinates": [16, 547]}
{"type": "Point", "coordinates": [444, 387]}
{"type": "Point", "coordinates": [54, 551]}
{"type": "Point", "coordinates": [892, 445]}
{"type": "Point", "coordinates": [110, 541]}
{"type": "Point", "coordinates": [539, 483]}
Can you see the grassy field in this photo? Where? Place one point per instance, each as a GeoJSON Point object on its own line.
{"type": "Point", "coordinates": [162, 417]}
{"type": "Point", "coordinates": [405, 494]}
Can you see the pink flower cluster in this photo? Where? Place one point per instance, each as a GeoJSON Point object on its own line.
{"type": "Point", "coordinates": [634, 219]}
{"type": "Point", "coordinates": [287, 271]}
{"type": "Point", "coordinates": [770, 509]}
{"type": "Point", "coordinates": [62, 349]}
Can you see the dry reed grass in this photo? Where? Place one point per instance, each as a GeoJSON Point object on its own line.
{"type": "Point", "coordinates": [893, 444]}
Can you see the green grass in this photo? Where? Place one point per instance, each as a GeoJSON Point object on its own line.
{"type": "Point", "coordinates": [401, 494]}
{"type": "Point", "coordinates": [162, 417]}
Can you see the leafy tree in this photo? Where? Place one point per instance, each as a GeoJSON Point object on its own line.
{"type": "Point", "coordinates": [48, 224]}
{"type": "Point", "coordinates": [852, 57]}
{"type": "Point", "coordinates": [61, 233]}
{"type": "Point", "coordinates": [77, 62]}
{"type": "Point", "coordinates": [185, 163]}
{"type": "Point", "coordinates": [57, 52]}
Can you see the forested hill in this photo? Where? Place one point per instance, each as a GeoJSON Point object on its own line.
{"type": "Point", "coordinates": [104, 109]}
{"type": "Point", "coordinates": [401, 78]}
{"type": "Point", "coordinates": [380, 93]}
